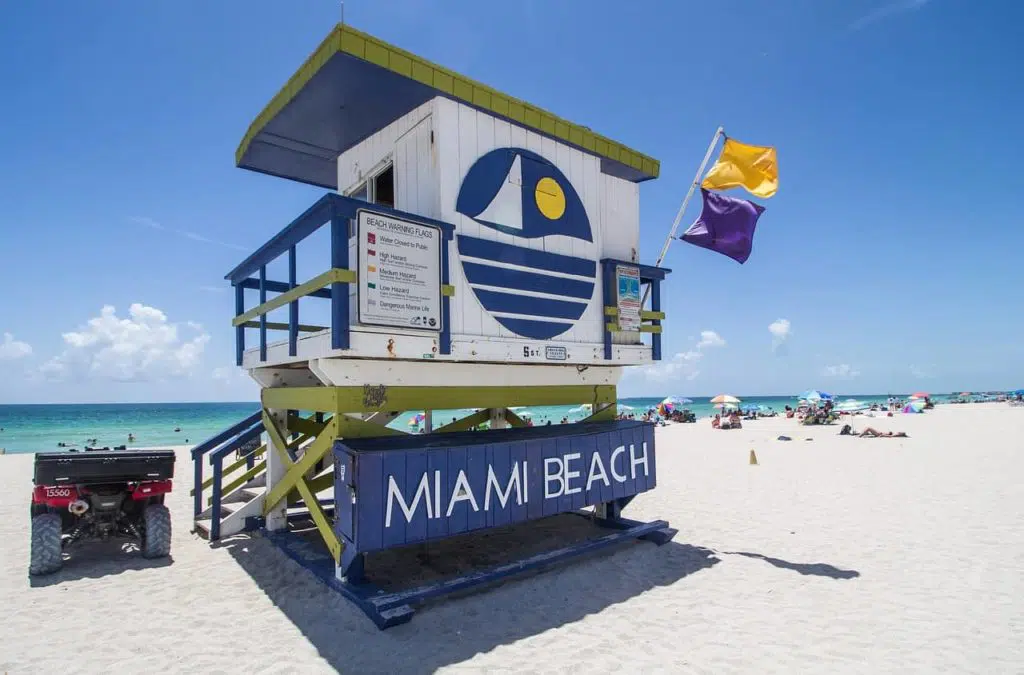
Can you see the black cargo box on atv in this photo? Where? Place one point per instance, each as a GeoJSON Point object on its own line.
{"type": "Point", "coordinates": [114, 466]}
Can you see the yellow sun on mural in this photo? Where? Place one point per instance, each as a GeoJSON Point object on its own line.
{"type": "Point", "coordinates": [550, 198]}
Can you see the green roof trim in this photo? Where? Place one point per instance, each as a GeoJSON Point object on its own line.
{"type": "Point", "coordinates": [350, 41]}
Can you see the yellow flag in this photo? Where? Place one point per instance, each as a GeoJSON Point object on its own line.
{"type": "Point", "coordinates": [754, 167]}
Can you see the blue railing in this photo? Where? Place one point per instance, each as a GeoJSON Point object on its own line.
{"type": "Point", "coordinates": [651, 319]}
{"type": "Point", "coordinates": [338, 211]}
{"type": "Point", "coordinates": [226, 438]}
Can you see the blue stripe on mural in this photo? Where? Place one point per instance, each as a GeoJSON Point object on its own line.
{"type": "Point", "coordinates": [537, 330]}
{"type": "Point", "coordinates": [525, 257]}
{"type": "Point", "coordinates": [485, 275]}
{"type": "Point", "coordinates": [530, 306]}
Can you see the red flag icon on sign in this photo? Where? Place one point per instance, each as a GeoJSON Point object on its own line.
{"type": "Point", "coordinates": [370, 251]}
{"type": "Point", "coordinates": [371, 238]}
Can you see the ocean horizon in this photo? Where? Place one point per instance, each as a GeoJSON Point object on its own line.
{"type": "Point", "coordinates": [36, 427]}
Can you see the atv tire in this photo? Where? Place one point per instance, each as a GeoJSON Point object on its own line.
{"type": "Point", "coordinates": [47, 553]}
{"type": "Point", "coordinates": [156, 540]}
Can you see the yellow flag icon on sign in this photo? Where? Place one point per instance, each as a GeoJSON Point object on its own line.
{"type": "Point", "coordinates": [754, 167]}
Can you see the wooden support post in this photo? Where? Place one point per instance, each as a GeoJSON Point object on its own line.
{"type": "Point", "coordinates": [497, 418]}
{"type": "Point", "coordinates": [276, 514]}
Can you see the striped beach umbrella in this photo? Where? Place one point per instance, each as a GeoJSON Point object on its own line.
{"type": "Point", "coordinates": [726, 398]}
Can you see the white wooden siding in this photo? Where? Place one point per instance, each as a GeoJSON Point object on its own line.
{"type": "Point", "coordinates": [433, 147]}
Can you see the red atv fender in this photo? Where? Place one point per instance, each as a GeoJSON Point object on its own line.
{"type": "Point", "coordinates": [61, 496]}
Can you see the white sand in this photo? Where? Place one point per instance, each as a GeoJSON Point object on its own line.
{"type": "Point", "coordinates": [833, 555]}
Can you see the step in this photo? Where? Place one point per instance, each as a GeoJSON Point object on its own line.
{"type": "Point", "coordinates": [202, 528]}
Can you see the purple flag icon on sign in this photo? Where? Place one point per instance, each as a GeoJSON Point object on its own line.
{"type": "Point", "coordinates": [726, 225]}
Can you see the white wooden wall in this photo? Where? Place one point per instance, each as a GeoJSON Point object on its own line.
{"type": "Point", "coordinates": [433, 147]}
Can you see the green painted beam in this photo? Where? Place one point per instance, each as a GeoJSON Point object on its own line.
{"type": "Point", "coordinates": [448, 290]}
{"type": "Point", "coordinates": [272, 325]}
{"type": "Point", "coordinates": [514, 419]}
{"type": "Point", "coordinates": [376, 398]}
{"type": "Point", "coordinates": [466, 423]}
{"type": "Point", "coordinates": [335, 275]}
{"type": "Point", "coordinates": [648, 315]}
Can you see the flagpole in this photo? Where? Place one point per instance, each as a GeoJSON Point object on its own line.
{"type": "Point", "coordinates": [686, 200]}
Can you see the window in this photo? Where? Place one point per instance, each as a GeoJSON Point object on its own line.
{"type": "Point", "coordinates": [378, 189]}
{"type": "Point", "coordinates": [384, 187]}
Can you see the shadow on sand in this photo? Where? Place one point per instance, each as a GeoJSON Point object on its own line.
{"type": "Point", "coordinates": [807, 569]}
{"type": "Point", "coordinates": [96, 559]}
{"type": "Point", "coordinates": [449, 631]}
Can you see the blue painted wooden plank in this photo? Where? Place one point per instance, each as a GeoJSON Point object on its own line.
{"type": "Point", "coordinates": [457, 464]}
{"type": "Point", "coordinates": [370, 492]}
{"type": "Point", "coordinates": [518, 459]}
{"type": "Point", "coordinates": [535, 481]}
{"type": "Point", "coordinates": [239, 330]}
{"type": "Point", "coordinates": [652, 478]}
{"type": "Point", "coordinates": [416, 465]}
{"type": "Point", "coordinates": [477, 475]}
{"type": "Point", "coordinates": [584, 447]}
{"type": "Point", "coordinates": [502, 515]}
{"type": "Point", "coordinates": [550, 485]}
{"type": "Point", "coordinates": [437, 467]}
{"type": "Point", "coordinates": [339, 291]}
{"type": "Point", "coordinates": [618, 464]}
{"type": "Point", "coordinates": [394, 475]}
{"type": "Point", "coordinates": [601, 488]}
{"type": "Point", "coordinates": [293, 307]}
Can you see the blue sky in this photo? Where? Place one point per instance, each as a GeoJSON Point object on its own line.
{"type": "Point", "coordinates": [891, 251]}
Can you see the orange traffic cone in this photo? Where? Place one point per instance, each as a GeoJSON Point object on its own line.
{"type": "Point", "coordinates": [753, 458]}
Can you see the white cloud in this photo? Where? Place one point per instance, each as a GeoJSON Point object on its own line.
{"type": "Point", "coordinates": [709, 338]}
{"type": "Point", "coordinates": [229, 374]}
{"type": "Point", "coordinates": [149, 222]}
{"type": "Point", "coordinates": [12, 350]}
{"type": "Point", "coordinates": [843, 371]}
{"type": "Point", "coordinates": [683, 364]}
{"type": "Point", "coordinates": [144, 346]}
{"type": "Point", "coordinates": [886, 11]}
{"type": "Point", "coordinates": [780, 329]}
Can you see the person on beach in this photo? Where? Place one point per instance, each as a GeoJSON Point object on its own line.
{"type": "Point", "coordinates": [871, 432]}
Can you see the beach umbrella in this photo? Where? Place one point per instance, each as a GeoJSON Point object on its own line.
{"type": "Point", "coordinates": [815, 395]}
{"type": "Point", "coordinates": [920, 394]}
{"type": "Point", "coordinates": [915, 406]}
{"type": "Point", "coordinates": [725, 398]}
{"type": "Point", "coordinates": [851, 405]}
{"type": "Point", "coordinates": [417, 419]}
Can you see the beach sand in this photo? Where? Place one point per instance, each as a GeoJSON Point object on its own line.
{"type": "Point", "coordinates": [832, 555]}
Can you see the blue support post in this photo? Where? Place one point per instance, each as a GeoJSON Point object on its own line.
{"type": "Point", "coordinates": [293, 307]}
{"type": "Point", "coordinates": [197, 478]}
{"type": "Point", "coordinates": [446, 329]}
{"type": "Point", "coordinates": [218, 476]}
{"type": "Point", "coordinates": [656, 306]}
{"type": "Point", "coordinates": [607, 274]}
{"type": "Point", "coordinates": [263, 317]}
{"type": "Point", "coordinates": [339, 291]}
{"type": "Point", "coordinates": [239, 330]}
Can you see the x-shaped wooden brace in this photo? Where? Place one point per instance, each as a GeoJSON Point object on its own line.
{"type": "Point", "coordinates": [295, 478]}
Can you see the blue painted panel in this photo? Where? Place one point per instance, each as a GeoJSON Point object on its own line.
{"type": "Point", "coordinates": [495, 301]}
{"type": "Point", "coordinates": [458, 521]}
{"type": "Point", "coordinates": [525, 257]}
{"type": "Point", "coordinates": [370, 492]}
{"type": "Point", "coordinates": [503, 277]}
{"type": "Point", "coordinates": [436, 485]}
{"type": "Point", "coordinates": [344, 509]}
{"type": "Point", "coordinates": [437, 467]}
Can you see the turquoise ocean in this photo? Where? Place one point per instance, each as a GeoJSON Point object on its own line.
{"type": "Point", "coordinates": [34, 428]}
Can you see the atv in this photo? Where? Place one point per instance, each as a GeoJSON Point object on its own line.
{"type": "Point", "coordinates": [99, 494]}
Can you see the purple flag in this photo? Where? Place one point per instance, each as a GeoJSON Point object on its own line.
{"type": "Point", "coordinates": [726, 225]}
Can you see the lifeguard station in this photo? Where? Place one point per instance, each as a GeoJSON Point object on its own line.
{"type": "Point", "coordinates": [483, 255]}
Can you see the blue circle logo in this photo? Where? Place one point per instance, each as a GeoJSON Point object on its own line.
{"type": "Point", "coordinates": [531, 291]}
